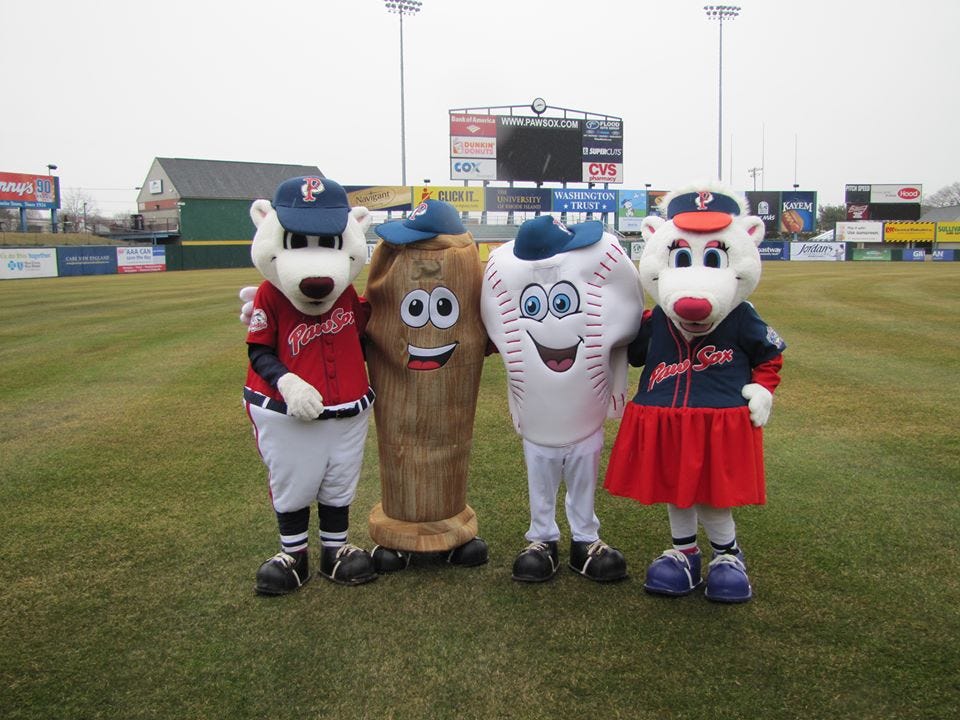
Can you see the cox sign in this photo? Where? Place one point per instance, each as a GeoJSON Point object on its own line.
{"type": "Point", "coordinates": [473, 169]}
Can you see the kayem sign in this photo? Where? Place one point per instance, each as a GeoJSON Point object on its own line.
{"type": "Point", "coordinates": [29, 191]}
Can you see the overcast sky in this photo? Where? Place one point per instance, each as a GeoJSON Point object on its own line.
{"type": "Point", "coordinates": [817, 92]}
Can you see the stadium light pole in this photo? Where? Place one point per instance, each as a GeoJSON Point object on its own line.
{"type": "Point", "coordinates": [401, 8]}
{"type": "Point", "coordinates": [720, 13]}
{"type": "Point", "coordinates": [53, 212]}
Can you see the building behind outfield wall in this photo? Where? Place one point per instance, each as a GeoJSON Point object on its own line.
{"type": "Point", "coordinates": [200, 209]}
{"type": "Point", "coordinates": [208, 201]}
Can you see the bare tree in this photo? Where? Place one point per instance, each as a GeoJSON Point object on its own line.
{"type": "Point", "coordinates": [78, 208]}
{"type": "Point", "coordinates": [944, 197]}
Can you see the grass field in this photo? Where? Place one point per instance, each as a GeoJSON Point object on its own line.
{"type": "Point", "coordinates": [134, 515]}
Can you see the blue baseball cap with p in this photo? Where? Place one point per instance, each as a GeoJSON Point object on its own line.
{"type": "Point", "coordinates": [312, 205]}
{"type": "Point", "coordinates": [703, 210]}
{"type": "Point", "coordinates": [543, 237]}
{"type": "Point", "coordinates": [429, 219]}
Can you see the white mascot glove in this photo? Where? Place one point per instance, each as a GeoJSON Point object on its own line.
{"type": "Point", "coordinates": [246, 310]}
{"type": "Point", "coordinates": [303, 400]}
{"type": "Point", "coordinates": [760, 401]}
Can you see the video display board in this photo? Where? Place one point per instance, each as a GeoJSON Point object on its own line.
{"type": "Point", "coordinates": [883, 202]}
{"type": "Point", "coordinates": [535, 148]}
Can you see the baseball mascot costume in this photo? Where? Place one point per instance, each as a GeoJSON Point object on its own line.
{"type": "Point", "coordinates": [561, 304]}
{"type": "Point", "coordinates": [425, 351]}
{"type": "Point", "coordinates": [692, 436]}
{"type": "Point", "coordinates": [307, 393]}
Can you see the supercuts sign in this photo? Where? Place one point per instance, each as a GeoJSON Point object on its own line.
{"type": "Point", "coordinates": [29, 191]}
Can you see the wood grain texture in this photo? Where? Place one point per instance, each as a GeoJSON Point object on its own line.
{"type": "Point", "coordinates": [424, 417]}
{"type": "Point", "coordinates": [435, 536]}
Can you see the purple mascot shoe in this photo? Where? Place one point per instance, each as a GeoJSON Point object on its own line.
{"type": "Point", "coordinates": [727, 580]}
{"type": "Point", "coordinates": [673, 573]}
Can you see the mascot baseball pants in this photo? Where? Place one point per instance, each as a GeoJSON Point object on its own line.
{"type": "Point", "coordinates": [576, 465]}
{"type": "Point", "coordinates": [314, 461]}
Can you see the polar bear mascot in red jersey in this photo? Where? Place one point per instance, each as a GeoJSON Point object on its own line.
{"type": "Point", "coordinates": [692, 436]}
{"type": "Point", "coordinates": [307, 392]}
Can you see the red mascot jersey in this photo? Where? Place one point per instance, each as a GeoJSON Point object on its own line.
{"type": "Point", "coordinates": [324, 350]}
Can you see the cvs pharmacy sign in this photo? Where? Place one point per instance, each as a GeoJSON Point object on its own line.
{"type": "Point", "coordinates": [606, 172]}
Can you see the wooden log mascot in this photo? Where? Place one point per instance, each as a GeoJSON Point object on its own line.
{"type": "Point", "coordinates": [425, 350]}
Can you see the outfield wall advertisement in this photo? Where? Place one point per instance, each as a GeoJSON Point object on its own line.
{"type": "Point", "coordinates": [505, 199]}
{"type": "Point", "coordinates": [87, 260]}
{"type": "Point", "coordinates": [631, 209]}
{"type": "Point", "coordinates": [825, 251]}
{"type": "Point", "coordinates": [860, 232]}
{"type": "Point", "coordinates": [766, 206]}
{"type": "Point", "coordinates": [948, 232]}
{"type": "Point", "coordinates": [27, 263]}
{"type": "Point", "coordinates": [141, 259]}
{"type": "Point", "coordinates": [379, 197]}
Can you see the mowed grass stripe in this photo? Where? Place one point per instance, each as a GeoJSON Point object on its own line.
{"type": "Point", "coordinates": [135, 513]}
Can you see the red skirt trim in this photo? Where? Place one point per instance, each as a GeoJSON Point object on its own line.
{"type": "Point", "coordinates": [687, 456]}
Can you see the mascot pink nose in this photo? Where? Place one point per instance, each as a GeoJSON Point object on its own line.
{"type": "Point", "coordinates": [316, 288]}
{"type": "Point", "coordinates": [693, 309]}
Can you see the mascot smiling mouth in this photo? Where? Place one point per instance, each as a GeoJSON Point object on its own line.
{"type": "Point", "coordinates": [558, 360]}
{"type": "Point", "coordinates": [695, 327]}
{"type": "Point", "coordinates": [429, 358]}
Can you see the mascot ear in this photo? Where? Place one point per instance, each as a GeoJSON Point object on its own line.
{"type": "Point", "coordinates": [259, 210]}
{"type": "Point", "coordinates": [754, 227]}
{"type": "Point", "coordinates": [362, 216]}
{"type": "Point", "coordinates": [650, 225]}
